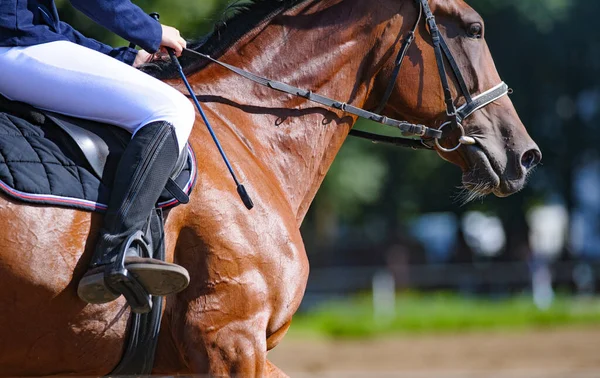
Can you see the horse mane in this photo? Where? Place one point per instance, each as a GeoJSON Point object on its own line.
{"type": "Point", "coordinates": [238, 19]}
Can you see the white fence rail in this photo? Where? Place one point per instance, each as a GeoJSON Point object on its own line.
{"type": "Point", "coordinates": [502, 278]}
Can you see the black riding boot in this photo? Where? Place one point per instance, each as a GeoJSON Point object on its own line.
{"type": "Point", "coordinates": [141, 175]}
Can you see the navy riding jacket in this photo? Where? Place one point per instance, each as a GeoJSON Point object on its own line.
{"type": "Point", "coordinates": [33, 22]}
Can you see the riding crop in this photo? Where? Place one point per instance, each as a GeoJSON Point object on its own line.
{"type": "Point", "coordinates": [240, 188]}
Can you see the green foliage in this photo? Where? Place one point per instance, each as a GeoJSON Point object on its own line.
{"type": "Point", "coordinates": [193, 18]}
{"type": "Point", "coordinates": [442, 313]}
{"type": "Point", "coordinates": [543, 13]}
{"type": "Point", "coordinates": [357, 178]}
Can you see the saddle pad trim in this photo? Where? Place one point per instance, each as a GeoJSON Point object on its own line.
{"type": "Point", "coordinates": [82, 204]}
{"type": "Point", "coordinates": [49, 199]}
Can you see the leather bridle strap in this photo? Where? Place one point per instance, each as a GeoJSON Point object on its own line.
{"type": "Point", "coordinates": [415, 144]}
{"type": "Point", "coordinates": [456, 115]}
{"type": "Point", "coordinates": [439, 57]}
{"type": "Point", "coordinates": [482, 100]}
{"type": "Point", "coordinates": [398, 63]}
{"type": "Point", "coordinates": [472, 104]}
{"type": "Point", "coordinates": [407, 128]}
{"type": "Point", "coordinates": [463, 112]}
{"type": "Point", "coordinates": [459, 77]}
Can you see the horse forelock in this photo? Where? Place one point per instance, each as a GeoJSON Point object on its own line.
{"type": "Point", "coordinates": [239, 18]}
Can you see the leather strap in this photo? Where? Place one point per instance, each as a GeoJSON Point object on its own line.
{"type": "Point", "coordinates": [142, 338]}
{"type": "Point", "coordinates": [439, 58]}
{"type": "Point", "coordinates": [407, 128]}
{"type": "Point", "coordinates": [398, 64]}
{"type": "Point", "coordinates": [415, 144]}
{"type": "Point", "coordinates": [178, 193]}
{"type": "Point", "coordinates": [482, 100]}
{"type": "Point", "coordinates": [459, 77]}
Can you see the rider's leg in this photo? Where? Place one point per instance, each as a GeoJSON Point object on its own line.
{"type": "Point", "coordinates": [66, 78]}
{"type": "Point", "coordinates": [70, 79]}
{"type": "Point", "coordinates": [141, 175]}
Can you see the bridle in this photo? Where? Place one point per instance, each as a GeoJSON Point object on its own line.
{"type": "Point", "coordinates": [455, 116]}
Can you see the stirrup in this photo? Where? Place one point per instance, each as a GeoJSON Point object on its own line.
{"type": "Point", "coordinates": [137, 277]}
{"type": "Point", "coordinates": [118, 279]}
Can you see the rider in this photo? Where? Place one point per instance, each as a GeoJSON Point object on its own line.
{"type": "Point", "coordinates": [48, 64]}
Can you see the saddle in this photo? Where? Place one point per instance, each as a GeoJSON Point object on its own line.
{"type": "Point", "coordinates": [52, 159]}
{"type": "Point", "coordinates": [55, 160]}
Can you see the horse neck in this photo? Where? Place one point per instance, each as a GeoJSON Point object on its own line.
{"type": "Point", "coordinates": [331, 47]}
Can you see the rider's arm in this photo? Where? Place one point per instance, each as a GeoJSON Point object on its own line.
{"type": "Point", "coordinates": [124, 19]}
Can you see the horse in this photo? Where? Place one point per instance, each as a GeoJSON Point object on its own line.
{"type": "Point", "coordinates": [249, 269]}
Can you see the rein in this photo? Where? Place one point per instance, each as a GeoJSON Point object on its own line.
{"type": "Point", "coordinates": [407, 128]}
{"type": "Point", "coordinates": [456, 116]}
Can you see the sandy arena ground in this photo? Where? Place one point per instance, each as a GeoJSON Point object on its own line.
{"type": "Point", "coordinates": [561, 353]}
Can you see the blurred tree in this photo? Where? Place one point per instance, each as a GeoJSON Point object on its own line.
{"type": "Point", "coordinates": [193, 18]}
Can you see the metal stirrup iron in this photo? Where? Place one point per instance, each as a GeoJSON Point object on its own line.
{"type": "Point", "coordinates": [240, 188]}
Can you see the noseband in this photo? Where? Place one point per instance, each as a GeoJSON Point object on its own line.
{"type": "Point", "coordinates": [455, 116]}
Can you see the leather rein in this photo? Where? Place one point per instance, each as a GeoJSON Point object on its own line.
{"type": "Point", "coordinates": [455, 116]}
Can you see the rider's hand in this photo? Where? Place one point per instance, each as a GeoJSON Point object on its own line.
{"type": "Point", "coordinates": [141, 58]}
{"type": "Point", "coordinates": [172, 39]}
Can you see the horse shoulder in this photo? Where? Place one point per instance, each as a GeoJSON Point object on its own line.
{"type": "Point", "coordinates": [248, 272]}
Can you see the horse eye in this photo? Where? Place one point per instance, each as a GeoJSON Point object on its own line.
{"type": "Point", "coordinates": [475, 30]}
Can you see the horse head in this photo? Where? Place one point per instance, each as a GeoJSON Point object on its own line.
{"type": "Point", "coordinates": [501, 153]}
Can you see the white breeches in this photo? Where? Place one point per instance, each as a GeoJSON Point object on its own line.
{"type": "Point", "coordinates": [66, 78]}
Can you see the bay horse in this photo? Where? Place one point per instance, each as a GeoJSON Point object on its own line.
{"type": "Point", "coordinates": [249, 269]}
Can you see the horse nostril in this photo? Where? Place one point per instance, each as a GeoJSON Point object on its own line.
{"type": "Point", "coordinates": [531, 158]}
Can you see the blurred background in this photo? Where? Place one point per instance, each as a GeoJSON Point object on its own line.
{"type": "Point", "coordinates": [406, 279]}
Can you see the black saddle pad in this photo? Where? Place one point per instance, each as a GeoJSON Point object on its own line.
{"type": "Point", "coordinates": [43, 163]}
